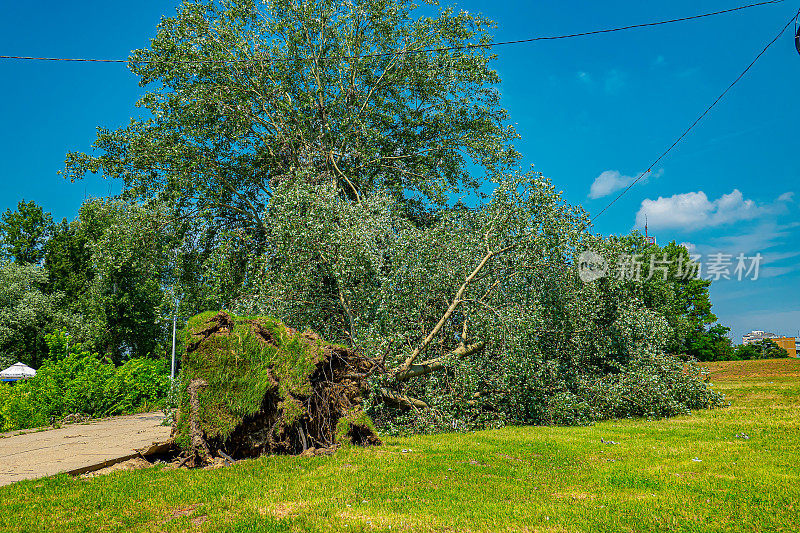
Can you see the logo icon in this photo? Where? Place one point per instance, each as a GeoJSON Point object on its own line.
{"type": "Point", "coordinates": [591, 266]}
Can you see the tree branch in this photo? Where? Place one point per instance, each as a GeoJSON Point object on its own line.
{"type": "Point", "coordinates": [352, 331]}
{"type": "Point", "coordinates": [336, 167]}
{"type": "Point", "coordinates": [433, 365]}
{"type": "Point", "coordinates": [403, 400]}
{"type": "Point", "coordinates": [451, 308]}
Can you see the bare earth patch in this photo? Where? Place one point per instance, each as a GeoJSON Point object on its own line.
{"type": "Point", "coordinates": [132, 464]}
{"type": "Point", "coordinates": [769, 368]}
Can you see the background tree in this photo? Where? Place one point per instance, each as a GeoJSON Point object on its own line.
{"type": "Point", "coordinates": [114, 265]}
{"type": "Point", "coordinates": [670, 286]}
{"type": "Point", "coordinates": [763, 349]}
{"type": "Point", "coordinates": [27, 313]}
{"type": "Point", "coordinates": [24, 232]}
{"type": "Point", "coordinates": [68, 261]}
{"type": "Point", "coordinates": [130, 246]}
{"type": "Point", "coordinates": [713, 345]}
{"type": "Point", "coordinates": [246, 95]}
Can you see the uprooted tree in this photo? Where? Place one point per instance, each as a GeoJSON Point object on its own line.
{"type": "Point", "coordinates": [480, 319]}
{"type": "Point", "coordinates": [317, 159]}
{"type": "Point", "coordinates": [254, 386]}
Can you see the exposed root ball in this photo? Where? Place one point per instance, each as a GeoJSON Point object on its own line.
{"type": "Point", "coordinates": [253, 386]}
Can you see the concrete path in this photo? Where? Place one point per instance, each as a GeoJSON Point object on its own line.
{"type": "Point", "coordinates": [44, 453]}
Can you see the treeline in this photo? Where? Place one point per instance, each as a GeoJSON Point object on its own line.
{"type": "Point", "coordinates": [718, 347]}
{"type": "Point", "coordinates": [86, 304]}
{"type": "Point", "coordinates": [101, 277]}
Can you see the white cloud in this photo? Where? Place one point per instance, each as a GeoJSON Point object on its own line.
{"type": "Point", "coordinates": [786, 197]}
{"type": "Point", "coordinates": [768, 238]}
{"type": "Point", "coordinates": [775, 271]}
{"type": "Point", "coordinates": [693, 210]}
{"type": "Point", "coordinates": [611, 181]}
{"type": "Point", "coordinates": [686, 73]}
{"type": "Point", "coordinates": [585, 77]}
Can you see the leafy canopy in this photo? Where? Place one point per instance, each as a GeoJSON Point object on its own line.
{"type": "Point", "coordinates": [245, 95]}
{"type": "Point", "coordinates": [27, 313]}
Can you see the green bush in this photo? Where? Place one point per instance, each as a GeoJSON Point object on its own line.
{"type": "Point", "coordinates": [73, 380]}
{"type": "Point", "coordinates": [763, 349]}
{"type": "Point", "coordinates": [651, 386]}
{"type": "Point", "coordinates": [138, 383]}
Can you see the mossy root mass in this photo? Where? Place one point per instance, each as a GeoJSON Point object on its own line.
{"type": "Point", "coordinates": [253, 386]}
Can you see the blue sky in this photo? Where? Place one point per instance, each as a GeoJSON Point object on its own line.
{"type": "Point", "coordinates": [593, 112]}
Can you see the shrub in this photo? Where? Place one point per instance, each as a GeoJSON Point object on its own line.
{"type": "Point", "coordinates": [73, 380]}
{"type": "Point", "coordinates": [651, 386]}
{"type": "Point", "coordinates": [138, 383]}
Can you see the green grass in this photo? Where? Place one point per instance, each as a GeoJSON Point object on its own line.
{"type": "Point", "coordinates": [513, 479]}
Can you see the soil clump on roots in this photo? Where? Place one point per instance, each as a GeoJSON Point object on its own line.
{"type": "Point", "coordinates": [253, 386]}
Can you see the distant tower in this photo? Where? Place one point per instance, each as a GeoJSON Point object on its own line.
{"type": "Point", "coordinates": [651, 240]}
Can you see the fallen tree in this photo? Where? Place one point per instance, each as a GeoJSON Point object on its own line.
{"type": "Point", "coordinates": [332, 192]}
{"type": "Point", "coordinates": [254, 386]}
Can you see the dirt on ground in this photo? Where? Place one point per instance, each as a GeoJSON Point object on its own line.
{"type": "Point", "coordinates": [764, 368]}
{"type": "Point", "coordinates": [136, 463]}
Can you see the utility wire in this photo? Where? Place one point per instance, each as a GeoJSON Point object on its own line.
{"type": "Point", "coordinates": [707, 110]}
{"type": "Point", "coordinates": [402, 52]}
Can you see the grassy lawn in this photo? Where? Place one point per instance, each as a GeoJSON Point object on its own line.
{"type": "Point", "coordinates": [684, 474]}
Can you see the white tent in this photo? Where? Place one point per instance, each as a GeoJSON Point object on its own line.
{"type": "Point", "coordinates": [16, 372]}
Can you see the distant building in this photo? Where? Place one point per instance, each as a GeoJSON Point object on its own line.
{"type": "Point", "coordinates": [787, 343]}
{"type": "Point", "coordinates": [790, 344]}
{"type": "Point", "coordinates": [757, 335]}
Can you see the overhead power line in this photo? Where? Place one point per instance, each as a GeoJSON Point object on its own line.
{"type": "Point", "coordinates": [707, 110]}
{"type": "Point", "coordinates": [402, 52]}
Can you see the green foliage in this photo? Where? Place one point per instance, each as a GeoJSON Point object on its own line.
{"type": "Point", "coordinates": [686, 304]}
{"type": "Point", "coordinates": [74, 380]}
{"type": "Point", "coordinates": [652, 386]}
{"type": "Point", "coordinates": [112, 263]}
{"type": "Point", "coordinates": [130, 255]}
{"type": "Point", "coordinates": [68, 261]}
{"type": "Point", "coordinates": [763, 349]}
{"type": "Point", "coordinates": [712, 345]}
{"type": "Point", "coordinates": [27, 313]}
{"type": "Point", "coordinates": [413, 126]}
{"type": "Point", "coordinates": [24, 232]}
{"type": "Point", "coordinates": [321, 192]}
{"type": "Point", "coordinates": [361, 273]}
{"type": "Point", "coordinates": [683, 300]}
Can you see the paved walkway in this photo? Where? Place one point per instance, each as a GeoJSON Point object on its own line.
{"type": "Point", "coordinates": [75, 446]}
